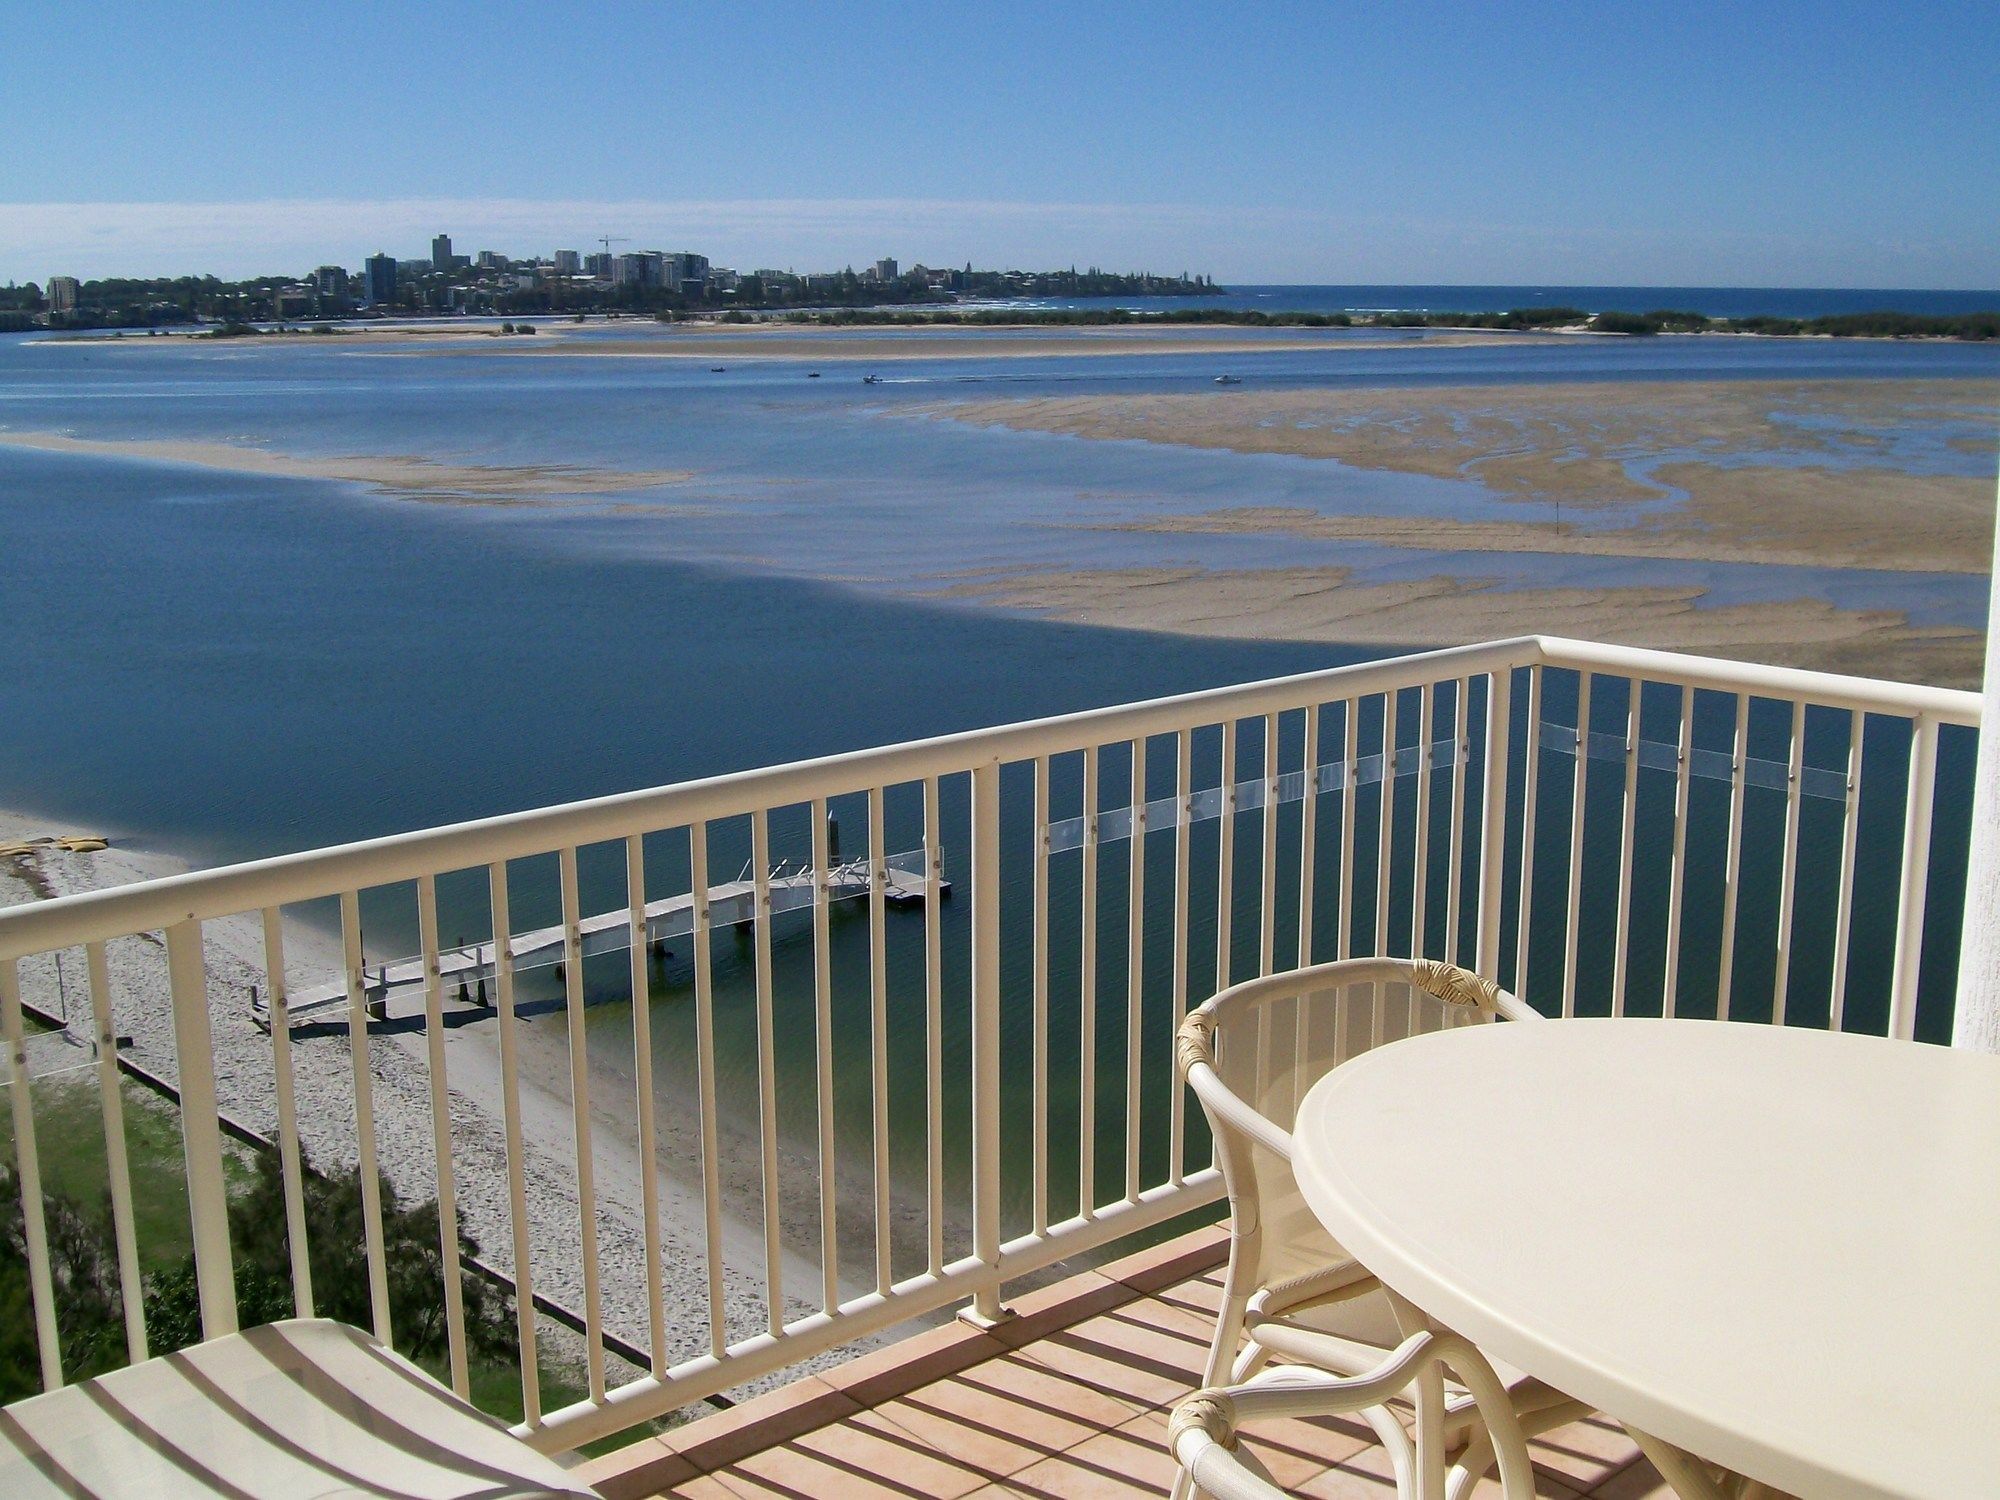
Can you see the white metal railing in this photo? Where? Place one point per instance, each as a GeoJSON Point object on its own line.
{"type": "Point", "coordinates": [1606, 829]}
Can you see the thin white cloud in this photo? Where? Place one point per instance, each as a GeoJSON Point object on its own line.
{"type": "Point", "coordinates": [1245, 244]}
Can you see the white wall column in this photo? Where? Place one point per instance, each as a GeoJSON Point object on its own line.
{"type": "Point", "coordinates": [1976, 1023]}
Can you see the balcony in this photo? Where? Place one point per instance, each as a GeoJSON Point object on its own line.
{"type": "Point", "coordinates": [907, 1045]}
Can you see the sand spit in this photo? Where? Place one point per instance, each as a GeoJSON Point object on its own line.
{"type": "Point", "coordinates": [1321, 604]}
{"type": "Point", "coordinates": [1813, 499]}
{"type": "Point", "coordinates": [894, 344]}
{"type": "Point", "coordinates": [405, 476]}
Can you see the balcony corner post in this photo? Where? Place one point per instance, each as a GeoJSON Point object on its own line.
{"type": "Point", "coordinates": [1976, 1015]}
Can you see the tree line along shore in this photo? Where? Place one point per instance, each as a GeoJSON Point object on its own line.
{"type": "Point", "coordinates": [1971, 327]}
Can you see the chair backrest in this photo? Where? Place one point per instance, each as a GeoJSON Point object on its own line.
{"type": "Point", "coordinates": [1252, 1051]}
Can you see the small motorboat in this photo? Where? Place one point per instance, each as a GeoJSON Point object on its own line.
{"type": "Point", "coordinates": [871, 379]}
{"type": "Point", "coordinates": [717, 369]}
{"type": "Point", "coordinates": [1227, 380]}
{"type": "Point", "coordinates": [812, 374]}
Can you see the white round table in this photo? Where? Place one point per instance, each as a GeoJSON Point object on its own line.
{"type": "Point", "coordinates": [1776, 1248]}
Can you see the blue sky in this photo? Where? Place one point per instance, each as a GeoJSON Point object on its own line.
{"type": "Point", "coordinates": [1758, 144]}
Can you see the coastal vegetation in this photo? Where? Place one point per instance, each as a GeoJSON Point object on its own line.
{"type": "Point", "coordinates": [1972, 327]}
{"type": "Point", "coordinates": [83, 1251]}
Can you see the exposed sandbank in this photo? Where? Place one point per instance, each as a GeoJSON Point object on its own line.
{"type": "Point", "coordinates": [1570, 444]}
{"type": "Point", "coordinates": [1321, 604]}
{"type": "Point", "coordinates": [406, 475]}
{"type": "Point", "coordinates": [847, 345]}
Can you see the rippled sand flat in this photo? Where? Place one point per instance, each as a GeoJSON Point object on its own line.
{"type": "Point", "coordinates": [1801, 472]}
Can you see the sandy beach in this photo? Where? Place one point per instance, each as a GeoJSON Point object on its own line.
{"type": "Point", "coordinates": [644, 339]}
{"type": "Point", "coordinates": [896, 343]}
{"type": "Point", "coordinates": [405, 476]}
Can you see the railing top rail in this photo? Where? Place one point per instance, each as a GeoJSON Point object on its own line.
{"type": "Point", "coordinates": [1831, 689]}
{"type": "Point", "coordinates": [313, 874]}
{"type": "Point", "coordinates": [310, 875]}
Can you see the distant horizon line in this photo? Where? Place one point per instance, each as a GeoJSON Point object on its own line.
{"type": "Point", "coordinates": [1227, 284]}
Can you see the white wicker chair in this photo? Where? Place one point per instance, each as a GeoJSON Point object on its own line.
{"type": "Point", "coordinates": [1290, 1292]}
{"type": "Point", "coordinates": [1204, 1429]}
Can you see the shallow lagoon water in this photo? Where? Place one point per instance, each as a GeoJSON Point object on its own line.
{"type": "Point", "coordinates": [229, 666]}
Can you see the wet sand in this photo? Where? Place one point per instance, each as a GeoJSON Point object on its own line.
{"type": "Point", "coordinates": [406, 476]}
{"type": "Point", "coordinates": [1321, 604]}
{"type": "Point", "coordinates": [898, 343]}
{"type": "Point", "coordinates": [1811, 502]}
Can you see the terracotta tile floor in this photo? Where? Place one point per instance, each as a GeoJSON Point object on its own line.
{"type": "Point", "coordinates": [1068, 1399]}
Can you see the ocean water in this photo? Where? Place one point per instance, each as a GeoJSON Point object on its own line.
{"type": "Point", "coordinates": [228, 665]}
{"type": "Point", "coordinates": [1712, 301]}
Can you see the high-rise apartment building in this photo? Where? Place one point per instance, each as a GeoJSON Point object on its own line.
{"type": "Point", "coordinates": [378, 279]}
{"type": "Point", "coordinates": [441, 253]}
{"type": "Point", "coordinates": [568, 262]}
{"type": "Point", "coordinates": [63, 292]}
{"type": "Point", "coordinates": [885, 270]}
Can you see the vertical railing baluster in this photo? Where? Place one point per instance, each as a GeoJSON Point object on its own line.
{"type": "Point", "coordinates": [447, 1186]}
{"type": "Point", "coordinates": [27, 1159]}
{"type": "Point", "coordinates": [579, 1093]}
{"type": "Point", "coordinates": [117, 1165]}
{"type": "Point", "coordinates": [1844, 901]}
{"type": "Point", "coordinates": [1183, 826]}
{"type": "Point", "coordinates": [933, 1024]}
{"type": "Point", "coordinates": [1350, 714]}
{"type": "Point", "coordinates": [1732, 859]}
{"type": "Point", "coordinates": [878, 1038]}
{"type": "Point", "coordinates": [1135, 940]}
{"type": "Point", "coordinates": [201, 1130]}
{"type": "Point", "coordinates": [1915, 880]}
{"type": "Point", "coordinates": [986, 1031]}
{"type": "Point", "coordinates": [1225, 860]}
{"type": "Point", "coordinates": [1461, 748]}
{"type": "Point", "coordinates": [1420, 865]}
{"type": "Point", "coordinates": [1039, 979]}
{"type": "Point", "coordinates": [1788, 875]}
{"type": "Point", "coordinates": [1385, 854]}
{"type": "Point", "coordinates": [1530, 791]}
{"type": "Point", "coordinates": [822, 935]}
{"type": "Point", "coordinates": [1309, 837]}
{"type": "Point", "coordinates": [1677, 879]}
{"type": "Point", "coordinates": [639, 979]}
{"type": "Point", "coordinates": [1578, 807]}
{"type": "Point", "coordinates": [704, 1045]}
{"type": "Point", "coordinates": [767, 1073]}
{"type": "Point", "coordinates": [1086, 1027]}
{"type": "Point", "coordinates": [1628, 834]}
{"type": "Point", "coordinates": [517, 1161]}
{"type": "Point", "coordinates": [1267, 865]}
{"type": "Point", "coordinates": [1493, 809]}
{"type": "Point", "coordinates": [289, 1164]}
{"type": "Point", "coordinates": [364, 1115]}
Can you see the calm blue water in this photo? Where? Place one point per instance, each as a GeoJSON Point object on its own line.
{"type": "Point", "coordinates": [234, 665]}
{"type": "Point", "coordinates": [1713, 301]}
{"type": "Point", "coordinates": [229, 666]}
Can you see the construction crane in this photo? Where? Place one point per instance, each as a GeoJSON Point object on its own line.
{"type": "Point", "coordinates": [608, 240]}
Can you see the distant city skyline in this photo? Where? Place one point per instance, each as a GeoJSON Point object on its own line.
{"type": "Point", "coordinates": [1834, 144]}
